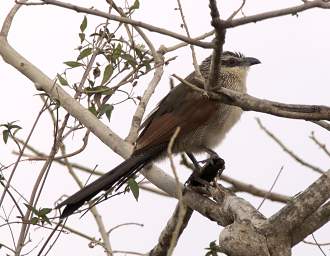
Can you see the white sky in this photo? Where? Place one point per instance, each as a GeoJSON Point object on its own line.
{"type": "Point", "coordinates": [295, 69]}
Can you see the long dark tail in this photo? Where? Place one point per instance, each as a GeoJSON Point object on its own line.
{"type": "Point", "coordinates": [116, 176]}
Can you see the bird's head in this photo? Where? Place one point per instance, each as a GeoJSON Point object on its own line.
{"type": "Point", "coordinates": [236, 59]}
{"type": "Point", "coordinates": [231, 62]}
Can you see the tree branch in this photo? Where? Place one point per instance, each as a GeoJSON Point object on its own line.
{"type": "Point", "coordinates": [288, 151]}
{"type": "Point", "coordinates": [311, 224]}
{"type": "Point", "coordinates": [302, 206]}
{"type": "Point", "coordinates": [165, 237]}
{"type": "Point", "coordinates": [220, 32]}
{"type": "Point", "coordinates": [128, 21]}
{"type": "Point", "coordinates": [277, 13]}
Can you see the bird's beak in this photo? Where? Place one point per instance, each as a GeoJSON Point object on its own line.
{"type": "Point", "coordinates": [250, 61]}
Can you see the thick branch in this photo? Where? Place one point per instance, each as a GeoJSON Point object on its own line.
{"type": "Point", "coordinates": [311, 224]}
{"type": "Point", "coordinates": [294, 111]}
{"type": "Point", "coordinates": [302, 206]}
{"type": "Point", "coordinates": [250, 103]}
{"type": "Point", "coordinates": [166, 236]}
{"type": "Point", "coordinates": [215, 66]}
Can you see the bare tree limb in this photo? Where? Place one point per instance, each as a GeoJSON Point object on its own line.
{"type": "Point", "coordinates": [195, 63]}
{"type": "Point", "coordinates": [294, 111]}
{"type": "Point", "coordinates": [183, 44]}
{"type": "Point", "coordinates": [97, 216]}
{"type": "Point", "coordinates": [220, 32]}
{"type": "Point", "coordinates": [320, 144]}
{"type": "Point", "coordinates": [159, 62]}
{"type": "Point", "coordinates": [128, 21]}
{"type": "Point", "coordinates": [302, 206]}
{"type": "Point", "coordinates": [240, 9]}
{"type": "Point", "coordinates": [165, 237]}
{"type": "Point", "coordinates": [250, 103]}
{"type": "Point", "coordinates": [239, 186]}
{"type": "Point", "coordinates": [290, 152]}
{"type": "Point", "coordinates": [311, 224]}
{"type": "Point", "coordinates": [324, 4]}
{"type": "Point", "coordinates": [323, 124]}
{"type": "Point", "coordinates": [137, 117]}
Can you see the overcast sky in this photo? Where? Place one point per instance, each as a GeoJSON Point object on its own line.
{"type": "Point", "coordinates": [295, 53]}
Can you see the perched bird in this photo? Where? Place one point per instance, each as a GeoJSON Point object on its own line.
{"type": "Point", "coordinates": [203, 124]}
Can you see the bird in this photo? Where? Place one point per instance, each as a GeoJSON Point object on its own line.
{"type": "Point", "coordinates": [203, 124]}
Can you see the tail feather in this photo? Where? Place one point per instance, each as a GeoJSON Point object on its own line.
{"type": "Point", "coordinates": [116, 176]}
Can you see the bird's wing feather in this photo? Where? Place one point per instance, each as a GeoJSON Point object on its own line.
{"type": "Point", "coordinates": [193, 110]}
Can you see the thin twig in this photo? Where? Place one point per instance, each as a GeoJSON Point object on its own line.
{"type": "Point", "coordinates": [14, 200]}
{"type": "Point", "coordinates": [22, 151]}
{"type": "Point", "coordinates": [271, 188]}
{"type": "Point", "coordinates": [290, 152]}
{"type": "Point", "coordinates": [124, 224]}
{"type": "Point", "coordinates": [140, 110]}
{"type": "Point", "coordinates": [313, 243]}
{"type": "Point", "coordinates": [159, 62]}
{"type": "Point", "coordinates": [6, 219]}
{"type": "Point", "coordinates": [48, 238]}
{"type": "Point", "coordinates": [318, 245]}
{"type": "Point", "coordinates": [194, 87]}
{"type": "Point", "coordinates": [74, 153]}
{"type": "Point", "coordinates": [128, 21]}
{"type": "Point", "coordinates": [237, 11]}
{"type": "Point", "coordinates": [195, 63]}
{"type": "Point", "coordinates": [240, 186]}
{"type": "Point", "coordinates": [183, 44]}
{"type": "Point", "coordinates": [320, 144]}
{"type": "Point", "coordinates": [277, 13]}
{"type": "Point", "coordinates": [180, 216]}
{"type": "Point", "coordinates": [94, 211]}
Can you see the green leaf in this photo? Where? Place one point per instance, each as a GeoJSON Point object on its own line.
{"type": "Point", "coordinates": [107, 74]}
{"type": "Point", "coordinates": [82, 37]}
{"type": "Point", "coordinates": [139, 53]}
{"type": "Point", "coordinates": [91, 82]}
{"type": "Point", "coordinates": [45, 211]}
{"type": "Point", "coordinates": [5, 135]}
{"type": "Point", "coordinates": [83, 24]}
{"type": "Point", "coordinates": [15, 126]}
{"type": "Point", "coordinates": [130, 59]}
{"type": "Point", "coordinates": [93, 110]}
{"type": "Point", "coordinates": [107, 110]}
{"type": "Point", "coordinates": [98, 90]}
{"type": "Point", "coordinates": [84, 53]}
{"type": "Point", "coordinates": [146, 63]}
{"type": "Point", "coordinates": [62, 80]}
{"type": "Point", "coordinates": [31, 208]}
{"type": "Point", "coordinates": [45, 218]}
{"type": "Point", "coordinates": [34, 220]}
{"type": "Point", "coordinates": [136, 5]}
{"type": "Point", "coordinates": [134, 187]}
{"type": "Point", "coordinates": [117, 51]}
{"type": "Point", "coordinates": [73, 64]}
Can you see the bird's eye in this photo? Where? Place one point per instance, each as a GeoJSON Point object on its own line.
{"type": "Point", "coordinates": [232, 62]}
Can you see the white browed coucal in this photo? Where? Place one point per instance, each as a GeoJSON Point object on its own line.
{"type": "Point", "coordinates": [203, 122]}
